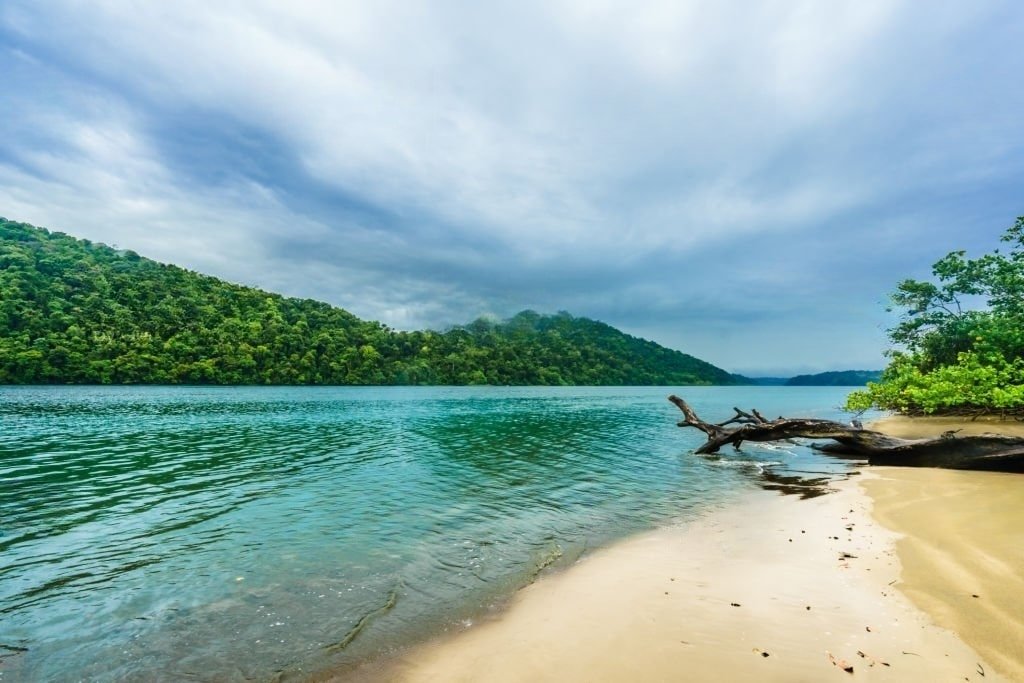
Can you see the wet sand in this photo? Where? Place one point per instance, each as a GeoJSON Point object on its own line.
{"type": "Point", "coordinates": [774, 589]}
{"type": "Point", "coordinates": [962, 552]}
{"type": "Point", "coordinates": [962, 548]}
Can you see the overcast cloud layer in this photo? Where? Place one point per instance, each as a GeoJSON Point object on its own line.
{"type": "Point", "coordinates": [742, 181]}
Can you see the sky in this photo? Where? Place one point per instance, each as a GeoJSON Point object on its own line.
{"type": "Point", "coordinates": [743, 181]}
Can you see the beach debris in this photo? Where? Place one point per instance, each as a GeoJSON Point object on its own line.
{"type": "Point", "coordinates": [847, 556]}
{"type": "Point", "coordinates": [975, 595]}
{"type": "Point", "coordinates": [841, 663]}
{"type": "Point", "coordinates": [871, 660]}
{"type": "Point", "coordinates": [981, 669]}
{"type": "Point", "coordinates": [985, 451]}
{"type": "Point", "coordinates": [808, 608]}
{"type": "Point", "coordinates": [735, 604]}
{"type": "Point", "coordinates": [763, 653]}
{"type": "Point", "coordinates": [868, 629]}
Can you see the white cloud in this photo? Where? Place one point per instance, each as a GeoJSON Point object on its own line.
{"type": "Point", "coordinates": [574, 149]}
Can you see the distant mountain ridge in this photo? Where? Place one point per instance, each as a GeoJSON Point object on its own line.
{"type": "Point", "coordinates": [841, 378]}
{"type": "Point", "coordinates": [72, 311]}
{"type": "Point", "coordinates": [768, 381]}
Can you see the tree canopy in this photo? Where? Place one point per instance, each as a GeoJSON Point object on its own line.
{"type": "Point", "coordinates": [959, 343]}
{"type": "Point", "coordinates": [72, 311]}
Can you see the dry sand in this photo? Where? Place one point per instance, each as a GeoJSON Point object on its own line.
{"type": "Point", "coordinates": [775, 589]}
{"type": "Point", "coordinates": [924, 427]}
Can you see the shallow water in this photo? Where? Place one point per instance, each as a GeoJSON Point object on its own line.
{"type": "Point", "coordinates": [244, 533]}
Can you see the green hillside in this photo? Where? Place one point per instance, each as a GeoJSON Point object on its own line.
{"type": "Point", "coordinates": [72, 311]}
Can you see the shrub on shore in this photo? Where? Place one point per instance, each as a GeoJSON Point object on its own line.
{"type": "Point", "coordinates": [962, 338]}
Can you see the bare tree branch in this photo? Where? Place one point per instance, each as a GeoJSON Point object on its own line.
{"type": "Point", "coordinates": [982, 452]}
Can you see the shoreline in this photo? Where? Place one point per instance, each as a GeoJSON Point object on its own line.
{"type": "Point", "coordinates": [773, 588]}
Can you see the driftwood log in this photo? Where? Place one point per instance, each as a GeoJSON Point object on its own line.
{"type": "Point", "coordinates": [984, 452]}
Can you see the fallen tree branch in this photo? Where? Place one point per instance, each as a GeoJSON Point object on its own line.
{"type": "Point", "coordinates": [982, 452]}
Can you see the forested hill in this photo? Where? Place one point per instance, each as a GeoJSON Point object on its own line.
{"type": "Point", "coordinates": [840, 378]}
{"type": "Point", "coordinates": [72, 311]}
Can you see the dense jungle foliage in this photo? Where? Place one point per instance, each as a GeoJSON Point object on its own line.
{"type": "Point", "coordinates": [960, 339]}
{"type": "Point", "coordinates": [72, 311]}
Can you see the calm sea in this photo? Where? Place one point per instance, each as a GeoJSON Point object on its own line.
{"type": "Point", "coordinates": [183, 533]}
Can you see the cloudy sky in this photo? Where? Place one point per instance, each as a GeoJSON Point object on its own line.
{"type": "Point", "coordinates": [744, 181]}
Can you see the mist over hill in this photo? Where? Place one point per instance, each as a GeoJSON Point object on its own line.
{"type": "Point", "coordinates": [73, 311]}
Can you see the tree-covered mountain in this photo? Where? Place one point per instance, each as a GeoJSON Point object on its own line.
{"type": "Point", "coordinates": [839, 378]}
{"type": "Point", "coordinates": [72, 311]}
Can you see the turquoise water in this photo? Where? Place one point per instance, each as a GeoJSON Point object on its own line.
{"type": "Point", "coordinates": [179, 533]}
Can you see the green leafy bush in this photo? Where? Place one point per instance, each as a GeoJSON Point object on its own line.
{"type": "Point", "coordinates": [957, 358]}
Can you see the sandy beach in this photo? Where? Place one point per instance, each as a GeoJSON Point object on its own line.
{"type": "Point", "coordinates": [775, 589]}
{"type": "Point", "coordinates": [925, 427]}
{"type": "Point", "coordinates": [962, 553]}
{"type": "Point", "coordinates": [962, 544]}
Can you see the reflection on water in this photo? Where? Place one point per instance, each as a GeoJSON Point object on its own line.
{"type": "Point", "coordinates": [245, 533]}
{"type": "Point", "coordinates": [797, 485]}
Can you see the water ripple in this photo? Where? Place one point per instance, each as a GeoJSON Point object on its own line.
{"type": "Point", "coordinates": [245, 532]}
